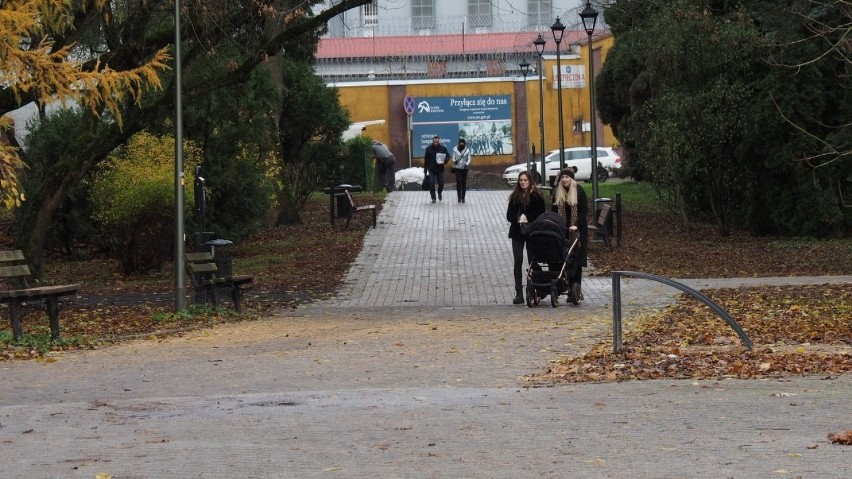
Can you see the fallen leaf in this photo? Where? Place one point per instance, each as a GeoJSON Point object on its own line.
{"type": "Point", "coordinates": [844, 438]}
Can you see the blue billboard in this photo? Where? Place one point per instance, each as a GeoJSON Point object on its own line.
{"type": "Point", "coordinates": [485, 122]}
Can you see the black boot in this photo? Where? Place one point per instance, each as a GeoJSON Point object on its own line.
{"type": "Point", "coordinates": [519, 296]}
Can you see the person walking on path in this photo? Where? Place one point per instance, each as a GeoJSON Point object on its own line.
{"type": "Point", "coordinates": [525, 205]}
{"type": "Point", "coordinates": [571, 203]}
{"type": "Point", "coordinates": [433, 165]}
{"type": "Point", "coordinates": [461, 163]}
{"type": "Point", "coordinates": [386, 163]}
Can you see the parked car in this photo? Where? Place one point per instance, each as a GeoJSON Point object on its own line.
{"type": "Point", "coordinates": [579, 157]}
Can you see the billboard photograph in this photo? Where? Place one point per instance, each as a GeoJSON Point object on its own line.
{"type": "Point", "coordinates": [485, 122]}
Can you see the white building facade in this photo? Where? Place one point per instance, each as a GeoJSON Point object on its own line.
{"type": "Point", "coordinates": [444, 17]}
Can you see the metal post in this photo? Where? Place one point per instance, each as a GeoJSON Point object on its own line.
{"type": "Point", "coordinates": [539, 48]}
{"type": "Point", "coordinates": [558, 29]}
{"type": "Point", "coordinates": [180, 286]}
{"type": "Point", "coordinates": [589, 16]}
{"type": "Point", "coordinates": [525, 70]}
{"type": "Point", "coordinates": [594, 126]}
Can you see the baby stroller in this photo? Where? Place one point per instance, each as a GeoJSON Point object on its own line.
{"type": "Point", "coordinates": [547, 247]}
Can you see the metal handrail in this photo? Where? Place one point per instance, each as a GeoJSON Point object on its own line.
{"type": "Point", "coordinates": [616, 305]}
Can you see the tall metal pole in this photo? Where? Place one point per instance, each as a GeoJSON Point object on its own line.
{"type": "Point", "coordinates": [594, 125]}
{"type": "Point", "coordinates": [589, 16]}
{"type": "Point", "coordinates": [525, 70]}
{"type": "Point", "coordinates": [180, 285]}
{"type": "Point", "coordinates": [558, 29]}
{"type": "Point", "coordinates": [539, 43]}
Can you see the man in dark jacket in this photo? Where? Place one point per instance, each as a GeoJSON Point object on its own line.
{"type": "Point", "coordinates": [386, 163]}
{"type": "Point", "coordinates": [433, 166]}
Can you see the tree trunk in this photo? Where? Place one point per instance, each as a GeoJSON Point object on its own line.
{"type": "Point", "coordinates": [288, 212]}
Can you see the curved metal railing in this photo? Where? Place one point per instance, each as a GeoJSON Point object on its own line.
{"type": "Point", "coordinates": [616, 305]}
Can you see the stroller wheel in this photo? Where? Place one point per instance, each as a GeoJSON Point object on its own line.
{"type": "Point", "coordinates": [530, 296]}
{"type": "Point", "coordinates": [575, 293]}
{"type": "Point", "coordinates": [554, 294]}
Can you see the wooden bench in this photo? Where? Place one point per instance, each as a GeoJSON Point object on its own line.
{"type": "Point", "coordinates": [14, 271]}
{"type": "Point", "coordinates": [600, 228]}
{"type": "Point", "coordinates": [356, 209]}
{"type": "Point", "coordinates": [205, 279]}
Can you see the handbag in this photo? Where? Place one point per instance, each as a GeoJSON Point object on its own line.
{"type": "Point", "coordinates": [524, 226]}
{"type": "Point", "coordinates": [426, 185]}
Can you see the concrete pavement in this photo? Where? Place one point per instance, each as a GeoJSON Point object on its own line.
{"type": "Point", "coordinates": [415, 369]}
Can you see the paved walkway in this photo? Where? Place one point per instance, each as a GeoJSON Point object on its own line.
{"type": "Point", "coordinates": [416, 369]}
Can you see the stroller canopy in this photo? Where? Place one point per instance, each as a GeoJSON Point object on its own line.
{"type": "Point", "coordinates": [548, 221]}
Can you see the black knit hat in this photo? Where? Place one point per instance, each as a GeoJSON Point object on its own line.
{"type": "Point", "coordinates": [568, 172]}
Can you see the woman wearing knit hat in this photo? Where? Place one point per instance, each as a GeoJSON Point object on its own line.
{"type": "Point", "coordinates": [570, 202]}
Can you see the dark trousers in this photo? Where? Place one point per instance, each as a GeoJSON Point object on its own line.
{"type": "Point", "coordinates": [386, 172]}
{"type": "Point", "coordinates": [437, 180]}
{"type": "Point", "coordinates": [518, 257]}
{"type": "Point", "coordinates": [461, 182]}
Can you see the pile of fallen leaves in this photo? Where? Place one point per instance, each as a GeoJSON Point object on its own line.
{"type": "Point", "coordinates": [794, 330]}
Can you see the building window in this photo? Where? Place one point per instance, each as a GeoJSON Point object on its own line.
{"type": "Point", "coordinates": [423, 14]}
{"type": "Point", "coordinates": [479, 13]}
{"type": "Point", "coordinates": [540, 12]}
{"type": "Point", "coordinates": [370, 14]}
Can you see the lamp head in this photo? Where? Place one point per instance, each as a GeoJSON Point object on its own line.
{"type": "Point", "coordinates": [589, 16]}
{"type": "Point", "coordinates": [539, 44]}
{"type": "Point", "coordinates": [558, 29]}
{"type": "Point", "coordinates": [525, 67]}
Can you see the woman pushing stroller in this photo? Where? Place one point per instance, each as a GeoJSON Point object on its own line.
{"type": "Point", "coordinates": [571, 203]}
{"type": "Point", "coordinates": [525, 204]}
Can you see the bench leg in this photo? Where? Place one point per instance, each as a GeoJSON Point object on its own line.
{"type": "Point", "coordinates": [236, 295]}
{"type": "Point", "coordinates": [214, 296]}
{"type": "Point", "coordinates": [374, 219]}
{"type": "Point", "coordinates": [53, 314]}
{"type": "Point", "coordinates": [15, 314]}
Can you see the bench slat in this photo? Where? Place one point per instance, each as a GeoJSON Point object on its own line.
{"type": "Point", "coordinates": [11, 255]}
{"type": "Point", "coordinates": [202, 267]}
{"type": "Point", "coordinates": [200, 257]}
{"type": "Point", "coordinates": [14, 271]}
{"type": "Point", "coordinates": [40, 292]}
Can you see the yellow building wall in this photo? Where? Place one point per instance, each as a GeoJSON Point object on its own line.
{"type": "Point", "coordinates": [366, 103]}
{"type": "Point", "coordinates": [371, 102]}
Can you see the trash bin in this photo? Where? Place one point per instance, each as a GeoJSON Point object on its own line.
{"type": "Point", "coordinates": [344, 208]}
{"type": "Point", "coordinates": [224, 266]}
{"type": "Point", "coordinates": [608, 224]}
{"type": "Point", "coordinates": [201, 239]}
{"type": "Point", "coordinates": [223, 261]}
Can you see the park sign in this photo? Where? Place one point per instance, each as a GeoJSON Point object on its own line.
{"type": "Point", "coordinates": [485, 122]}
{"type": "Point", "coordinates": [573, 76]}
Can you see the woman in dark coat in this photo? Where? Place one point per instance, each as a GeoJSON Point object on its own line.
{"type": "Point", "coordinates": [571, 203]}
{"type": "Point", "coordinates": [525, 202]}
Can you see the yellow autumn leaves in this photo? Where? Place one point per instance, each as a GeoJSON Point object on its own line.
{"type": "Point", "coordinates": [49, 74]}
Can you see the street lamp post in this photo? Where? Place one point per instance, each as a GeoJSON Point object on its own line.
{"type": "Point", "coordinates": [525, 70]}
{"type": "Point", "coordinates": [558, 29]}
{"type": "Point", "coordinates": [590, 16]}
{"type": "Point", "coordinates": [180, 285]}
{"type": "Point", "coordinates": [539, 48]}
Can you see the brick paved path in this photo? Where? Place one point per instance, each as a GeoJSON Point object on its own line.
{"type": "Point", "coordinates": [444, 254]}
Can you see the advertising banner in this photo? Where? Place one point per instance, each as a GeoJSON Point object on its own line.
{"type": "Point", "coordinates": [573, 76]}
{"type": "Point", "coordinates": [485, 122]}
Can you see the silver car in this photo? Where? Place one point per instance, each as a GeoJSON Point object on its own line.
{"type": "Point", "coordinates": [579, 157]}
